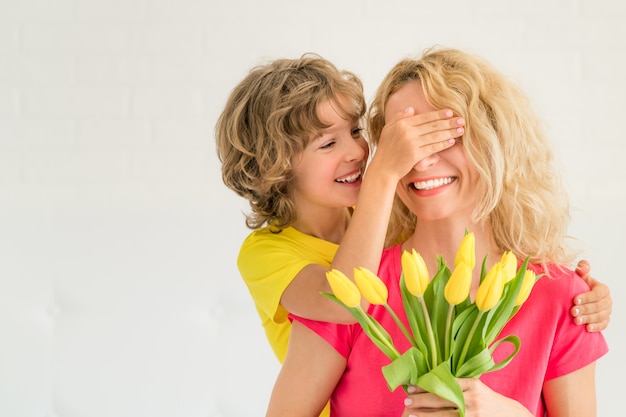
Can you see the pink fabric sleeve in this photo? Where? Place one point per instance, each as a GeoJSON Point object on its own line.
{"type": "Point", "coordinates": [573, 347]}
{"type": "Point", "coordinates": [339, 336]}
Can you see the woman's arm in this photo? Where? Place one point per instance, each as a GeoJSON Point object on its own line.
{"type": "Point", "coordinates": [572, 395]}
{"type": "Point", "coordinates": [308, 376]}
{"type": "Point", "coordinates": [404, 141]}
{"type": "Point", "coordinates": [594, 307]}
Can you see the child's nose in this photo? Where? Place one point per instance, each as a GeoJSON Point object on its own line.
{"type": "Point", "coordinates": [356, 150]}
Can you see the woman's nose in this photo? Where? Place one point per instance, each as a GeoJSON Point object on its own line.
{"type": "Point", "coordinates": [426, 163]}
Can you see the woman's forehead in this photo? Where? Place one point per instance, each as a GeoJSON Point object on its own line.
{"type": "Point", "coordinates": [409, 94]}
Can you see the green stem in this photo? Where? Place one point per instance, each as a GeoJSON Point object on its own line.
{"type": "Point", "coordinates": [469, 339]}
{"type": "Point", "coordinates": [431, 334]}
{"type": "Point", "coordinates": [382, 338]}
{"type": "Point", "coordinates": [400, 325]}
{"type": "Point", "coordinates": [448, 334]}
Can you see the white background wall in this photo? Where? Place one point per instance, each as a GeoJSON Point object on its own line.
{"type": "Point", "coordinates": [119, 294]}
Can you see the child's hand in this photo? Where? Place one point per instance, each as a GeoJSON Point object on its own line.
{"type": "Point", "coordinates": [594, 307]}
{"type": "Point", "coordinates": [408, 138]}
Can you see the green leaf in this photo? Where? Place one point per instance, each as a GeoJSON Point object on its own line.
{"type": "Point", "coordinates": [438, 306]}
{"type": "Point", "coordinates": [416, 318]}
{"type": "Point", "coordinates": [461, 328]}
{"type": "Point", "coordinates": [483, 269]}
{"type": "Point", "coordinates": [406, 369]}
{"type": "Point", "coordinates": [377, 334]}
{"type": "Point", "coordinates": [514, 340]}
{"type": "Point", "coordinates": [463, 317]}
{"type": "Point", "coordinates": [441, 382]}
{"type": "Point", "coordinates": [464, 323]}
{"type": "Point", "coordinates": [476, 365]}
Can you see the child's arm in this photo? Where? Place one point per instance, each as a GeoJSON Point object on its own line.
{"type": "Point", "coordinates": [406, 140]}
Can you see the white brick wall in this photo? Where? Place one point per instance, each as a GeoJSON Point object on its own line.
{"type": "Point", "coordinates": [119, 294]}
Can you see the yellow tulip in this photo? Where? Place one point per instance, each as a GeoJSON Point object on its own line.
{"type": "Point", "coordinates": [458, 286]}
{"type": "Point", "coordinates": [415, 271]}
{"type": "Point", "coordinates": [371, 287]}
{"type": "Point", "coordinates": [490, 290]}
{"type": "Point", "coordinates": [509, 266]}
{"type": "Point", "coordinates": [465, 253]}
{"type": "Point", "coordinates": [344, 289]}
{"type": "Point", "coordinates": [527, 286]}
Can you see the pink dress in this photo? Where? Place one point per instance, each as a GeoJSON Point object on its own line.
{"type": "Point", "coordinates": [551, 346]}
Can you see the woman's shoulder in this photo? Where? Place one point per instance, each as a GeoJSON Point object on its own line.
{"type": "Point", "coordinates": [390, 266]}
{"type": "Point", "coordinates": [557, 281]}
{"type": "Point", "coordinates": [392, 252]}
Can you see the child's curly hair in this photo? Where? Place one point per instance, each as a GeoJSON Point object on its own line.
{"type": "Point", "coordinates": [269, 117]}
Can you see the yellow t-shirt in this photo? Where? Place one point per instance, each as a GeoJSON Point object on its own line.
{"type": "Point", "coordinates": [268, 262]}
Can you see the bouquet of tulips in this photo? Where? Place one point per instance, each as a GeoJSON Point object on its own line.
{"type": "Point", "coordinates": [450, 336]}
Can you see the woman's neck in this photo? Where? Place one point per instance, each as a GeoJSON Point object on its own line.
{"type": "Point", "coordinates": [441, 238]}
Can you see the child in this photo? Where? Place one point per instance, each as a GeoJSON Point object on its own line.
{"type": "Point", "coordinates": [290, 142]}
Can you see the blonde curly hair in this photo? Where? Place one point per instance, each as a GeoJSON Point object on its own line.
{"type": "Point", "coordinates": [269, 117]}
{"type": "Point", "coordinates": [520, 192]}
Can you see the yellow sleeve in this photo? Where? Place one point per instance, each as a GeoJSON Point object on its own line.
{"type": "Point", "coordinates": [268, 263]}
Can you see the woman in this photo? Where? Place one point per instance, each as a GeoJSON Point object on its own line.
{"type": "Point", "coordinates": [498, 181]}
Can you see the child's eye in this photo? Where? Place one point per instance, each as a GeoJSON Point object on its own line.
{"type": "Point", "coordinates": [356, 132]}
{"type": "Point", "coordinates": [328, 145]}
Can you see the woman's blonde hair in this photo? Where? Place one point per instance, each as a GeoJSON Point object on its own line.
{"type": "Point", "coordinates": [519, 190]}
{"type": "Point", "coordinates": [269, 117]}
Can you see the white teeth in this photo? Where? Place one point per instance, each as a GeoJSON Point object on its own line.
{"type": "Point", "coordinates": [349, 179]}
{"type": "Point", "coordinates": [430, 184]}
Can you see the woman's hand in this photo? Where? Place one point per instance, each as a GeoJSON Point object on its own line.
{"type": "Point", "coordinates": [480, 401]}
{"type": "Point", "coordinates": [594, 307]}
